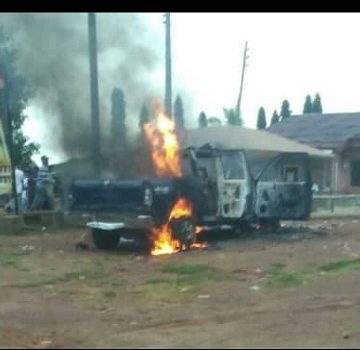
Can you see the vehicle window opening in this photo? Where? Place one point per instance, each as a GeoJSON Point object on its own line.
{"type": "Point", "coordinates": [291, 173]}
{"type": "Point", "coordinates": [233, 167]}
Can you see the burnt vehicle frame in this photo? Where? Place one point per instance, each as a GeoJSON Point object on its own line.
{"type": "Point", "coordinates": [227, 188]}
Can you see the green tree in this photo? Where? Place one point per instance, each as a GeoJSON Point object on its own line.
{"type": "Point", "coordinates": [275, 118]}
{"type": "Point", "coordinates": [179, 113]}
{"type": "Point", "coordinates": [118, 114]}
{"type": "Point", "coordinates": [202, 120]}
{"type": "Point", "coordinates": [261, 120]}
{"type": "Point", "coordinates": [285, 111]}
{"type": "Point", "coordinates": [308, 105]}
{"type": "Point", "coordinates": [233, 117]}
{"type": "Point", "coordinates": [317, 106]}
{"type": "Point", "coordinates": [144, 116]}
{"type": "Point", "coordinates": [18, 94]}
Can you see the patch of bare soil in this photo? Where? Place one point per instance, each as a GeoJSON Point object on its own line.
{"type": "Point", "coordinates": [295, 289]}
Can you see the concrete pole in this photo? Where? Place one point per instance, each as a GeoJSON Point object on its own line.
{"type": "Point", "coordinates": [94, 91]}
{"type": "Point", "coordinates": [168, 97]}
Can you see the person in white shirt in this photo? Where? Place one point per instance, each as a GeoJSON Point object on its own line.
{"type": "Point", "coordinates": [19, 182]}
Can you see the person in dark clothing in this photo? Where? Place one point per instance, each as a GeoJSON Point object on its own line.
{"type": "Point", "coordinates": [31, 185]}
{"type": "Point", "coordinates": [44, 187]}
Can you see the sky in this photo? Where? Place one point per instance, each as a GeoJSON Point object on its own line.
{"type": "Point", "coordinates": [291, 55]}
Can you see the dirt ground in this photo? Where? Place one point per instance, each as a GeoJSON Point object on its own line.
{"type": "Point", "coordinates": [298, 288]}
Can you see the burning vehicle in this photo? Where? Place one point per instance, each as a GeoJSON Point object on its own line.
{"type": "Point", "coordinates": [197, 188]}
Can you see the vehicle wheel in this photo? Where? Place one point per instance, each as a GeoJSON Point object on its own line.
{"type": "Point", "coordinates": [105, 239]}
{"type": "Point", "coordinates": [275, 225]}
{"type": "Point", "coordinates": [183, 230]}
{"type": "Point", "coordinates": [243, 228]}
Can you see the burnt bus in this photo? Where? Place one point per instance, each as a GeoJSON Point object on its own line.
{"type": "Point", "coordinates": [226, 187]}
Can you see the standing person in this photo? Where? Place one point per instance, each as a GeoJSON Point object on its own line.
{"type": "Point", "coordinates": [25, 201]}
{"type": "Point", "coordinates": [31, 185]}
{"type": "Point", "coordinates": [44, 184]}
{"type": "Point", "coordinates": [19, 179]}
{"type": "Point", "coordinates": [19, 183]}
{"type": "Point", "coordinates": [49, 187]}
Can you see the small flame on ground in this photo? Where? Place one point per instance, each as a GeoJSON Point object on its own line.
{"type": "Point", "coordinates": [164, 243]}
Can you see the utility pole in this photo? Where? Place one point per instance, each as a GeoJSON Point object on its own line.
{"type": "Point", "coordinates": [9, 130]}
{"type": "Point", "coordinates": [94, 92]}
{"type": "Point", "coordinates": [168, 97]}
{"type": "Point", "coordinates": [242, 79]}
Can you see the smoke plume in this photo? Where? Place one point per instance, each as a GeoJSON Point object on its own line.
{"type": "Point", "coordinates": [53, 56]}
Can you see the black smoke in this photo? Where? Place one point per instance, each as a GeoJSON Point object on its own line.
{"type": "Point", "coordinates": [53, 56]}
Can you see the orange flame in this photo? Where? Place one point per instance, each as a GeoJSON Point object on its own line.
{"type": "Point", "coordinates": [198, 230]}
{"type": "Point", "coordinates": [165, 146]}
{"type": "Point", "coordinates": [164, 242]}
{"type": "Point", "coordinates": [182, 208]}
{"type": "Point", "coordinates": [167, 162]}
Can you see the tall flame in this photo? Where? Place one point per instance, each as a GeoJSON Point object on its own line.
{"type": "Point", "coordinates": [167, 163]}
{"type": "Point", "coordinates": [165, 146]}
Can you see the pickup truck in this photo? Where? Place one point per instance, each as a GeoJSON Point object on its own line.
{"type": "Point", "coordinates": [224, 187]}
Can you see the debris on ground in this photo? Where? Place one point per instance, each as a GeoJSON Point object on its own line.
{"type": "Point", "coordinates": [27, 247]}
{"type": "Point", "coordinates": [255, 288]}
{"type": "Point", "coordinates": [346, 335]}
{"type": "Point", "coordinates": [346, 246]}
{"type": "Point", "coordinates": [82, 245]}
{"type": "Point", "coordinates": [84, 242]}
{"type": "Point", "coordinates": [45, 342]}
{"type": "Point", "coordinates": [203, 296]}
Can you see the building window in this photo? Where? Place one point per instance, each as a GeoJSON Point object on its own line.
{"type": "Point", "coordinates": [355, 173]}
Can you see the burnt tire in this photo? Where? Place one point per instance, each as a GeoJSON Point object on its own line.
{"type": "Point", "coordinates": [183, 230]}
{"type": "Point", "coordinates": [105, 239]}
{"type": "Point", "coordinates": [275, 225]}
